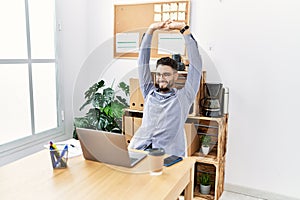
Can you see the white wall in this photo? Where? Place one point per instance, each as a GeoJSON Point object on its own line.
{"type": "Point", "coordinates": [254, 46]}
{"type": "Point", "coordinates": [73, 50]}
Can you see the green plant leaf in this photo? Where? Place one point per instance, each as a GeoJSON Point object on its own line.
{"type": "Point", "coordinates": [205, 179]}
{"type": "Point", "coordinates": [99, 101]}
{"type": "Point", "coordinates": [117, 109]}
{"type": "Point", "coordinates": [90, 93]}
{"type": "Point", "coordinates": [75, 136]}
{"type": "Point", "coordinates": [107, 111]}
{"type": "Point", "coordinates": [206, 139]}
{"type": "Point", "coordinates": [109, 94]}
{"type": "Point", "coordinates": [93, 89]}
{"type": "Point", "coordinates": [123, 86]}
{"type": "Point", "coordinates": [93, 117]}
{"type": "Point", "coordinates": [103, 121]}
{"type": "Point", "coordinates": [81, 122]}
{"type": "Point", "coordinates": [122, 100]}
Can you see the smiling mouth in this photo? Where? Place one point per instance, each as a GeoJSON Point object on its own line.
{"type": "Point", "coordinates": [159, 85]}
{"type": "Point", "coordinates": [163, 82]}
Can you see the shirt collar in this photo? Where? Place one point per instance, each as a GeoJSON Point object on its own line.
{"type": "Point", "coordinates": [164, 95]}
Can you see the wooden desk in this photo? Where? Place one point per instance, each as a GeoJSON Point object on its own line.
{"type": "Point", "coordinates": [33, 178]}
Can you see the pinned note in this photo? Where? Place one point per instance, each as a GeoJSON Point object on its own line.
{"type": "Point", "coordinates": [171, 44]}
{"type": "Point", "coordinates": [173, 7]}
{"type": "Point", "coordinates": [173, 16]}
{"type": "Point", "coordinates": [157, 8]}
{"type": "Point", "coordinates": [181, 16]}
{"type": "Point", "coordinates": [166, 7]}
{"type": "Point", "coordinates": [127, 42]}
{"type": "Point", "coordinates": [182, 7]}
{"type": "Point", "coordinates": [166, 16]}
{"type": "Point", "coordinates": [157, 17]}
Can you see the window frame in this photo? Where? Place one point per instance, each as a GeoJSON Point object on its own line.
{"type": "Point", "coordinates": [21, 147]}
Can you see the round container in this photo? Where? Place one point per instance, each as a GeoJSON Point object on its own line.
{"type": "Point", "coordinates": [156, 160]}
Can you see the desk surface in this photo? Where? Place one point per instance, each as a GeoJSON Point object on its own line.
{"type": "Point", "coordinates": [33, 178]}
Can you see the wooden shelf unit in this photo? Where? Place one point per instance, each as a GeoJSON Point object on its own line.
{"type": "Point", "coordinates": [214, 162]}
{"type": "Point", "coordinates": [215, 127]}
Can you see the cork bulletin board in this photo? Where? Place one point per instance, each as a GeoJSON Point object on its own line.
{"type": "Point", "coordinates": [132, 20]}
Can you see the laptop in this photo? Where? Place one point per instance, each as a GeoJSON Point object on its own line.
{"type": "Point", "coordinates": [107, 147]}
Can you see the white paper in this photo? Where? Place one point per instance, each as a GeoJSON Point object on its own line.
{"type": "Point", "coordinates": [157, 8]}
{"type": "Point", "coordinates": [171, 44]}
{"type": "Point", "coordinates": [182, 6]}
{"type": "Point", "coordinates": [157, 17]}
{"type": "Point", "coordinates": [181, 15]}
{"type": "Point", "coordinates": [166, 16]}
{"type": "Point", "coordinates": [127, 42]}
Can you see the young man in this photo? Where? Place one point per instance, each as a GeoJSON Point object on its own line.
{"type": "Point", "coordinates": [166, 108]}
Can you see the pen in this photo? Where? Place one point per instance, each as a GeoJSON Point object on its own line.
{"type": "Point", "coordinates": [53, 146]}
{"type": "Point", "coordinates": [54, 154]}
{"type": "Point", "coordinates": [52, 157]}
{"type": "Point", "coordinates": [61, 159]}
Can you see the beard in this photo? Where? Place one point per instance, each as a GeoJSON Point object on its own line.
{"type": "Point", "coordinates": [166, 88]}
{"type": "Point", "coordinates": [162, 89]}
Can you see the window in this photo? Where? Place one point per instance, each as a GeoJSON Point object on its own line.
{"type": "Point", "coordinates": [29, 103]}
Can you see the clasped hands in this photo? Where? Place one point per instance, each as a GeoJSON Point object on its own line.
{"type": "Point", "coordinates": [168, 25]}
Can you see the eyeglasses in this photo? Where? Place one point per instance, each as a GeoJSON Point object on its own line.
{"type": "Point", "coordinates": [164, 75]}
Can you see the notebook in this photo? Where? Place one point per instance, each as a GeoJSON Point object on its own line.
{"type": "Point", "coordinates": [107, 147]}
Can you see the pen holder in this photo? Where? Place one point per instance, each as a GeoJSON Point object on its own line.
{"type": "Point", "coordinates": [59, 156]}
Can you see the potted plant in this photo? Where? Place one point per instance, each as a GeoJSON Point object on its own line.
{"type": "Point", "coordinates": [205, 184]}
{"type": "Point", "coordinates": [107, 111]}
{"type": "Point", "coordinates": [205, 144]}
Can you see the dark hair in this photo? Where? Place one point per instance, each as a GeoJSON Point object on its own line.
{"type": "Point", "coordinates": [167, 61]}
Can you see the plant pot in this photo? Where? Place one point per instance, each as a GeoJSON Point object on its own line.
{"type": "Point", "coordinates": [204, 189]}
{"type": "Point", "coordinates": [205, 149]}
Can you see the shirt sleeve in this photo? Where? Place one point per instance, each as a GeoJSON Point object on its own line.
{"type": "Point", "coordinates": [145, 78]}
{"type": "Point", "coordinates": [195, 68]}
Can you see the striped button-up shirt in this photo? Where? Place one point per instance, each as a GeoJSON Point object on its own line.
{"type": "Point", "coordinates": [164, 115]}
